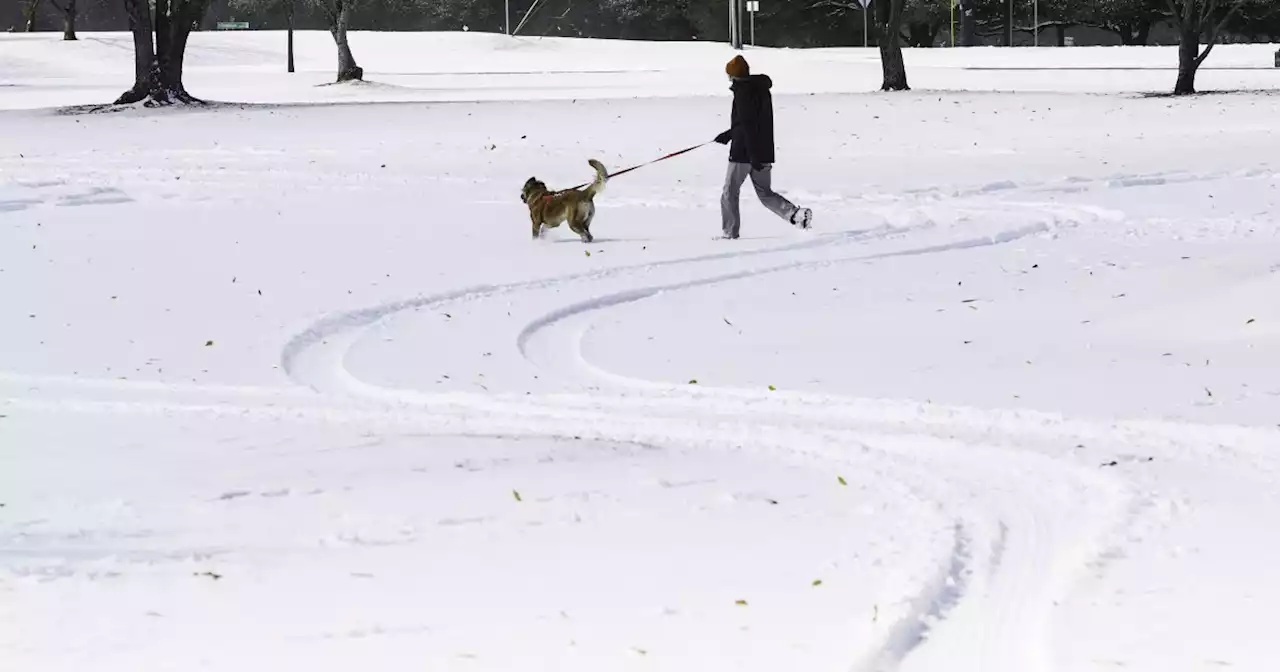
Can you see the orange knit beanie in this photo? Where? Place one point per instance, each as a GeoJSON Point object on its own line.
{"type": "Point", "coordinates": [738, 68]}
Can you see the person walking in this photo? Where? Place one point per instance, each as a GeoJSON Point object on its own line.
{"type": "Point", "coordinates": [750, 140]}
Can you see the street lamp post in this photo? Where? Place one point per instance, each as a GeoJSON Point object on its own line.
{"type": "Point", "coordinates": [1011, 23]}
{"type": "Point", "coordinates": [866, 4]}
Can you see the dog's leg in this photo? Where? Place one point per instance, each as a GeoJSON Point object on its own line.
{"type": "Point", "coordinates": [589, 215]}
{"type": "Point", "coordinates": [537, 226]}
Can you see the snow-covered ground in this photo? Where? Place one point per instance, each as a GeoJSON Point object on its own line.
{"type": "Point", "coordinates": [289, 387]}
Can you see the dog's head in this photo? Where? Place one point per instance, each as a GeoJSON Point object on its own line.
{"type": "Point", "coordinates": [531, 188]}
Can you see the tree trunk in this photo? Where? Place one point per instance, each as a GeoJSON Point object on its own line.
{"type": "Point", "coordinates": [289, 16]}
{"type": "Point", "coordinates": [889, 23]}
{"type": "Point", "coordinates": [921, 34]}
{"type": "Point", "coordinates": [347, 69]}
{"type": "Point", "coordinates": [159, 51]}
{"type": "Point", "coordinates": [895, 70]}
{"type": "Point", "coordinates": [1143, 34]}
{"type": "Point", "coordinates": [1061, 34]}
{"type": "Point", "coordinates": [968, 25]}
{"type": "Point", "coordinates": [1126, 33]}
{"type": "Point", "coordinates": [1006, 35]}
{"type": "Point", "coordinates": [173, 61]}
{"type": "Point", "coordinates": [1188, 55]}
{"type": "Point", "coordinates": [146, 71]}
{"type": "Point", "coordinates": [32, 8]}
{"type": "Point", "coordinates": [69, 21]}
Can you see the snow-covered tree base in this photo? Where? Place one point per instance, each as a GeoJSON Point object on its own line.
{"type": "Point", "coordinates": [159, 97]}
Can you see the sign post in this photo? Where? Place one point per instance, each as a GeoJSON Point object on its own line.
{"type": "Point", "coordinates": [753, 6]}
{"type": "Point", "coordinates": [866, 4]}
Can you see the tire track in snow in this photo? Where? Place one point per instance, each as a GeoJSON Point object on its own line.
{"type": "Point", "coordinates": [935, 599]}
{"type": "Point", "coordinates": [319, 333]}
{"type": "Point", "coordinates": [988, 610]}
{"type": "Point", "coordinates": [940, 595]}
{"type": "Point", "coordinates": [1011, 609]}
{"type": "Point", "coordinates": [536, 333]}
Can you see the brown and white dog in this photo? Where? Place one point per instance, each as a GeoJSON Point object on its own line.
{"type": "Point", "coordinates": [550, 209]}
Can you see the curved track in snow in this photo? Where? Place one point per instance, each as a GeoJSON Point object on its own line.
{"type": "Point", "coordinates": [1028, 523]}
{"type": "Point", "coordinates": [1024, 516]}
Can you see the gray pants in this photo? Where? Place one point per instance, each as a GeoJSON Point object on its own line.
{"type": "Point", "coordinates": [761, 179]}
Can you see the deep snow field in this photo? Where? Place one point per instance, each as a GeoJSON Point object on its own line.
{"type": "Point", "coordinates": [287, 386]}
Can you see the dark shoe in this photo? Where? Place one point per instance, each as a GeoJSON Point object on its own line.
{"type": "Point", "coordinates": [802, 218]}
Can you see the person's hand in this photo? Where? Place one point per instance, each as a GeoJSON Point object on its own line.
{"type": "Point", "coordinates": [725, 137]}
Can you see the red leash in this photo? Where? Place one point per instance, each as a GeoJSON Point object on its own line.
{"type": "Point", "coordinates": [672, 155]}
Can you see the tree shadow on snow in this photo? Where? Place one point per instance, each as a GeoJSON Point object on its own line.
{"type": "Point", "coordinates": [1214, 92]}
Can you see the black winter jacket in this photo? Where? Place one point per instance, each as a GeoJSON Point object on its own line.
{"type": "Point", "coordinates": [752, 121]}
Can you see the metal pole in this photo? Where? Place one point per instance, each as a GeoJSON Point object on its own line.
{"type": "Point", "coordinates": [865, 42]}
{"type": "Point", "coordinates": [753, 28]}
{"type": "Point", "coordinates": [737, 21]}
{"type": "Point", "coordinates": [732, 23]}
{"type": "Point", "coordinates": [508, 17]}
{"type": "Point", "coordinates": [1011, 23]}
{"type": "Point", "coordinates": [953, 22]}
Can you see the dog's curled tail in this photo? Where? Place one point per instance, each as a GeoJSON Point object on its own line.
{"type": "Point", "coordinates": [602, 176]}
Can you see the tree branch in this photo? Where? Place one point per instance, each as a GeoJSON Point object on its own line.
{"type": "Point", "coordinates": [327, 8]}
{"type": "Point", "coordinates": [1215, 29]}
{"type": "Point", "coordinates": [836, 4]}
{"type": "Point", "coordinates": [1207, 8]}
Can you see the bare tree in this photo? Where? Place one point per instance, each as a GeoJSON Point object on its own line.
{"type": "Point", "coordinates": [68, 10]}
{"type": "Point", "coordinates": [889, 17]}
{"type": "Point", "coordinates": [338, 13]}
{"type": "Point", "coordinates": [33, 7]}
{"type": "Point", "coordinates": [159, 47]}
{"type": "Point", "coordinates": [1196, 19]}
{"type": "Point", "coordinates": [889, 36]}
